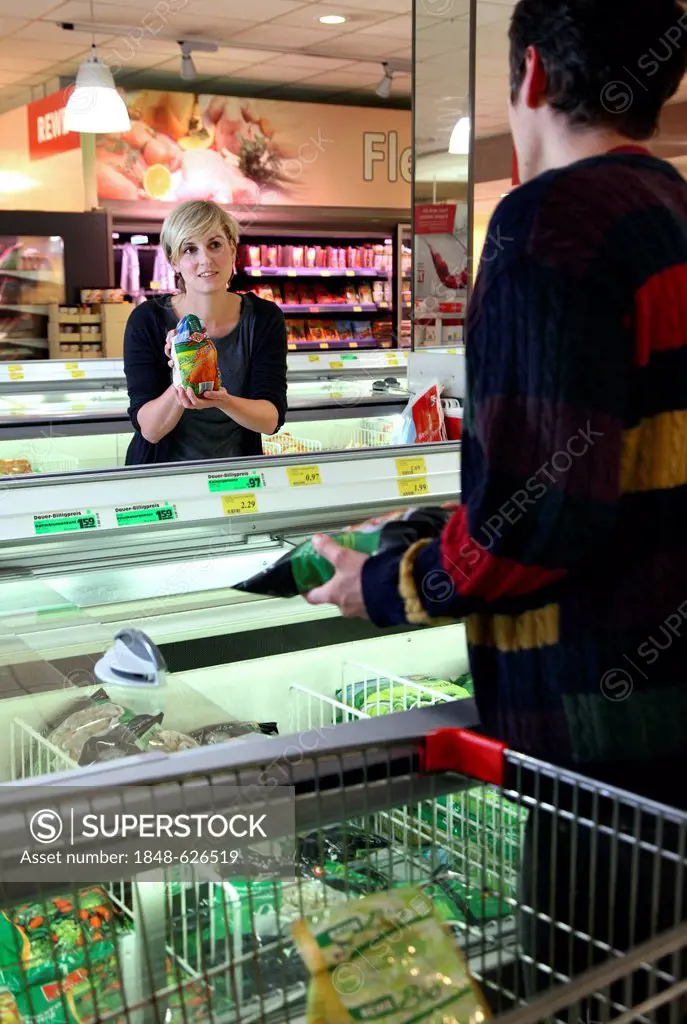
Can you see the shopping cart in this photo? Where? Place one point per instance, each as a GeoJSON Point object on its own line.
{"type": "Point", "coordinates": [616, 955]}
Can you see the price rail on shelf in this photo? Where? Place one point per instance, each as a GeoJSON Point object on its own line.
{"type": "Point", "coordinates": [249, 494]}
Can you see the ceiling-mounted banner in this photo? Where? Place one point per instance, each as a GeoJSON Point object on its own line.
{"type": "Point", "coordinates": [250, 153]}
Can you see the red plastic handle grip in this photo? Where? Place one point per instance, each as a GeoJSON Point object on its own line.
{"type": "Point", "coordinates": [465, 752]}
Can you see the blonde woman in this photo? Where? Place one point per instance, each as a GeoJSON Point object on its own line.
{"type": "Point", "coordinates": [172, 425]}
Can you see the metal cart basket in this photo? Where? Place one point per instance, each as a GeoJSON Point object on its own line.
{"type": "Point", "coordinates": [594, 929]}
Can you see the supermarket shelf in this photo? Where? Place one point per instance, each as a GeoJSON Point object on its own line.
{"type": "Point", "coordinates": [38, 308]}
{"type": "Point", "coordinates": [340, 344]}
{"type": "Point", "coordinates": [314, 272]}
{"type": "Point", "coordinates": [331, 307]}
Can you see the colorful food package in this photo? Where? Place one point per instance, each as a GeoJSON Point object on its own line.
{"type": "Point", "coordinates": [303, 569]}
{"type": "Point", "coordinates": [423, 418]}
{"type": "Point", "coordinates": [97, 729]}
{"type": "Point", "coordinates": [386, 957]}
{"type": "Point", "coordinates": [55, 954]}
{"type": "Point", "coordinates": [194, 357]}
{"type": "Point", "coordinates": [374, 698]}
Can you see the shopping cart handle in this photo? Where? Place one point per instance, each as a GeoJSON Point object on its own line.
{"type": "Point", "coordinates": [464, 752]}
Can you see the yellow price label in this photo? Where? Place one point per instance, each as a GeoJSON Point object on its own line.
{"type": "Point", "coordinates": [292, 348]}
{"type": "Point", "coordinates": [71, 366]}
{"type": "Point", "coordinates": [326, 273]}
{"type": "Point", "coordinates": [413, 486]}
{"type": "Point", "coordinates": [79, 407]}
{"type": "Point", "coordinates": [414, 466]}
{"type": "Point", "coordinates": [350, 273]}
{"type": "Point", "coordinates": [353, 344]}
{"type": "Point", "coordinates": [324, 344]}
{"type": "Point", "coordinates": [357, 309]}
{"type": "Point", "coordinates": [291, 273]}
{"type": "Point", "coordinates": [255, 272]}
{"type": "Point", "coordinates": [336, 366]}
{"type": "Point", "coordinates": [15, 368]}
{"type": "Point", "coordinates": [303, 476]}
{"type": "Point", "coordinates": [16, 374]}
{"type": "Point", "coordinates": [239, 504]}
{"type": "Point", "coordinates": [313, 359]}
{"type": "Point", "coordinates": [78, 373]}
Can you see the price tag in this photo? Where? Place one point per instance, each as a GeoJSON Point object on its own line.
{"type": "Point", "coordinates": [324, 344]}
{"type": "Point", "coordinates": [78, 407]}
{"type": "Point", "coordinates": [350, 273]}
{"type": "Point", "coordinates": [314, 309]}
{"type": "Point", "coordinates": [291, 273]}
{"type": "Point", "coordinates": [413, 466]}
{"type": "Point", "coordinates": [303, 476]}
{"type": "Point", "coordinates": [350, 359]}
{"type": "Point", "coordinates": [325, 273]}
{"type": "Point", "coordinates": [383, 305]}
{"type": "Point", "coordinates": [78, 373]}
{"type": "Point", "coordinates": [292, 348]}
{"type": "Point", "coordinates": [16, 374]}
{"type": "Point", "coordinates": [353, 344]}
{"type": "Point", "coordinates": [15, 368]}
{"type": "Point", "coordinates": [239, 504]}
{"type": "Point", "coordinates": [140, 515]}
{"type": "Point", "coordinates": [357, 309]}
{"type": "Point", "coordinates": [336, 366]}
{"type": "Point", "coordinates": [255, 272]}
{"type": "Point", "coordinates": [235, 482]}
{"type": "Point", "coordinates": [65, 522]}
{"type": "Point", "coordinates": [313, 359]}
{"type": "Point", "coordinates": [71, 366]}
{"type": "Point", "coordinates": [413, 487]}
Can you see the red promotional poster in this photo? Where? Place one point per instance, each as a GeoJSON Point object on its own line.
{"type": "Point", "coordinates": [47, 134]}
{"type": "Point", "coordinates": [441, 257]}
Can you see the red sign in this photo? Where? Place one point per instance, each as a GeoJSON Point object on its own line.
{"type": "Point", "coordinates": [435, 218]}
{"type": "Point", "coordinates": [47, 134]}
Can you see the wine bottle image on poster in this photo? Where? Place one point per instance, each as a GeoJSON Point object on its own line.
{"type": "Point", "coordinates": [441, 273]}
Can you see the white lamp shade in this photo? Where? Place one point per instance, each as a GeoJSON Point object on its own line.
{"type": "Point", "coordinates": [460, 138]}
{"type": "Point", "coordinates": [94, 105]}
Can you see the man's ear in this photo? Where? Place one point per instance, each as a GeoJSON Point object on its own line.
{"type": "Point", "coordinates": [535, 83]}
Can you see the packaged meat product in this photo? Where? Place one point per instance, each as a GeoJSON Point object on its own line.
{"type": "Point", "coordinates": [194, 357]}
{"type": "Point", "coordinates": [407, 965]}
{"type": "Point", "coordinates": [303, 569]}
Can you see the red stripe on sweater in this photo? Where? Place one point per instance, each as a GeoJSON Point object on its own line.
{"type": "Point", "coordinates": [476, 573]}
{"type": "Point", "coordinates": [661, 314]}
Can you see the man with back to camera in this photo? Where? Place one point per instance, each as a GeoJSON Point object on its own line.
{"type": "Point", "coordinates": [568, 558]}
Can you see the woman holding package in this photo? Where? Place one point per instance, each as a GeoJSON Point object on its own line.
{"type": "Point", "coordinates": [173, 424]}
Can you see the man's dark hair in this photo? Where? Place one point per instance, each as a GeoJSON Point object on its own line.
{"type": "Point", "coordinates": [610, 63]}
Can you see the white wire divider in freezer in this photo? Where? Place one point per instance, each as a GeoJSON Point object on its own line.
{"type": "Point", "coordinates": [377, 807]}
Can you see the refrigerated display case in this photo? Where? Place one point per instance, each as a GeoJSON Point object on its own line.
{"type": "Point", "coordinates": [31, 278]}
{"type": "Point", "coordinates": [62, 415]}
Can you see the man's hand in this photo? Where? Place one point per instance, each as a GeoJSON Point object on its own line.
{"type": "Point", "coordinates": [345, 590]}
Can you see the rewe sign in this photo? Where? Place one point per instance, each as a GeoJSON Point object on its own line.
{"type": "Point", "coordinates": [47, 134]}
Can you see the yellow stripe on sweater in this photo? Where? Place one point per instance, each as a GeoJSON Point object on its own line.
{"type": "Point", "coordinates": [654, 455]}
{"type": "Point", "coordinates": [507, 633]}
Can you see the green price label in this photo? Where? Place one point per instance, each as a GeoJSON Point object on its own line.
{"type": "Point", "coordinates": [234, 482]}
{"type": "Point", "coordinates": [139, 515]}
{"type": "Point", "coordinates": [65, 522]}
{"type": "Point", "coordinates": [351, 359]}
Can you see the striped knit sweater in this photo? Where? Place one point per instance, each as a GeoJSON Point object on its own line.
{"type": "Point", "coordinates": [568, 557]}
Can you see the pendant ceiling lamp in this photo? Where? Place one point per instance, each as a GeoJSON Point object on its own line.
{"type": "Point", "coordinates": [460, 138]}
{"type": "Point", "coordinates": [94, 105]}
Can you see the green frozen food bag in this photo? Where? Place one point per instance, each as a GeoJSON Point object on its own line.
{"type": "Point", "coordinates": [303, 569]}
{"type": "Point", "coordinates": [194, 357]}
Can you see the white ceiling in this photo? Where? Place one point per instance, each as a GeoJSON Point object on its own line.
{"type": "Point", "coordinates": [339, 62]}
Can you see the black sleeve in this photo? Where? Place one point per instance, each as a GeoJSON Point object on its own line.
{"type": "Point", "coordinates": [145, 365]}
{"type": "Point", "coordinates": [268, 359]}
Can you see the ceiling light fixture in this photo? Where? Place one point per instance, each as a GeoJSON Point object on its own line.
{"type": "Point", "coordinates": [94, 105]}
{"type": "Point", "coordinates": [333, 19]}
{"type": "Point", "coordinates": [383, 90]}
{"type": "Point", "coordinates": [460, 138]}
{"type": "Point", "coordinates": [187, 46]}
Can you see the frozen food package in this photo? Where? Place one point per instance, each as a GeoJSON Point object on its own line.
{"type": "Point", "coordinates": [220, 732]}
{"type": "Point", "coordinates": [423, 418]}
{"type": "Point", "coordinates": [98, 729]}
{"type": "Point", "coordinates": [383, 697]}
{"type": "Point", "coordinates": [302, 569]}
{"type": "Point", "coordinates": [194, 357]}
{"type": "Point", "coordinates": [406, 964]}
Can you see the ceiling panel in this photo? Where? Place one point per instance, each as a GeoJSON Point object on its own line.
{"type": "Point", "coordinates": [284, 37]}
{"type": "Point", "coordinates": [400, 27]}
{"type": "Point", "coordinates": [385, 6]}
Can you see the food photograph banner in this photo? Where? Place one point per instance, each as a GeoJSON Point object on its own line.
{"type": "Point", "coordinates": [256, 152]}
